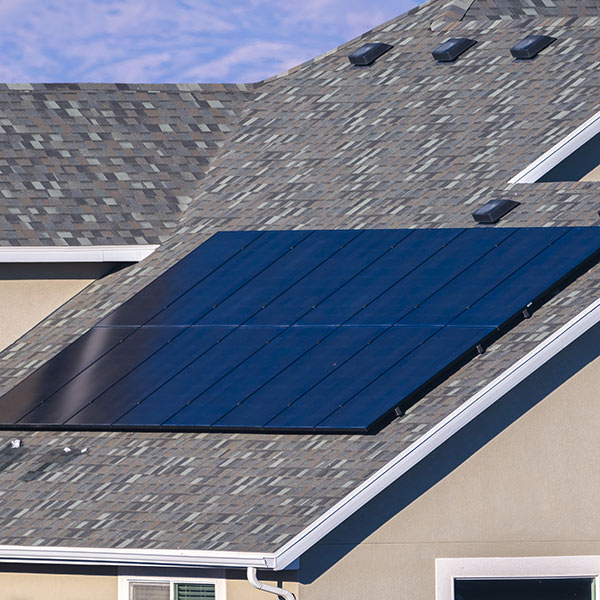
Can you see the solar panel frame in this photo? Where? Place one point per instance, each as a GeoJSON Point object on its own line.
{"type": "Point", "coordinates": [361, 290]}
{"type": "Point", "coordinates": [324, 322]}
{"type": "Point", "coordinates": [417, 286]}
{"type": "Point", "coordinates": [148, 376]}
{"type": "Point", "coordinates": [298, 378]}
{"type": "Point", "coordinates": [483, 276]}
{"type": "Point", "coordinates": [60, 370]}
{"type": "Point", "coordinates": [227, 279]}
{"type": "Point", "coordinates": [267, 286]}
{"type": "Point", "coordinates": [250, 375]}
{"type": "Point", "coordinates": [368, 363]}
{"type": "Point", "coordinates": [394, 388]}
{"type": "Point", "coordinates": [58, 407]}
{"type": "Point", "coordinates": [175, 282]}
{"type": "Point", "coordinates": [503, 304]}
{"type": "Point", "coordinates": [176, 393]}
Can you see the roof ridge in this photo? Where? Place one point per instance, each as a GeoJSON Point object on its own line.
{"type": "Point", "coordinates": [452, 10]}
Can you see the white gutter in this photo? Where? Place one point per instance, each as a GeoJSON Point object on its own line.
{"type": "Point", "coordinates": [584, 133]}
{"type": "Point", "coordinates": [134, 557]}
{"type": "Point", "coordinates": [269, 589]}
{"type": "Point", "coordinates": [308, 537]}
{"type": "Point", "coordinates": [438, 435]}
{"type": "Point", "coordinates": [68, 254]}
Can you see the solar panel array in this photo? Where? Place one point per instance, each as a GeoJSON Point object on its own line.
{"type": "Point", "coordinates": [298, 330]}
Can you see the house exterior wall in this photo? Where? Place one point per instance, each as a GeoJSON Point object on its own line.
{"type": "Point", "coordinates": [30, 292]}
{"type": "Point", "coordinates": [44, 586]}
{"type": "Point", "coordinates": [531, 489]}
{"type": "Point", "coordinates": [28, 583]}
{"type": "Point", "coordinates": [240, 589]}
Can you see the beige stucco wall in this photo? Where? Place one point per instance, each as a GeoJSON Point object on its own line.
{"type": "Point", "coordinates": [29, 293]}
{"type": "Point", "coordinates": [533, 490]}
{"type": "Point", "coordinates": [36, 586]}
{"type": "Point", "coordinates": [593, 175]}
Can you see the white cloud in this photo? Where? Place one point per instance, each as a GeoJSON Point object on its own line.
{"type": "Point", "coordinates": [174, 40]}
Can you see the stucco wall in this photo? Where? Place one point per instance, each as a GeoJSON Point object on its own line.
{"type": "Point", "coordinates": [30, 292]}
{"type": "Point", "coordinates": [529, 488]}
{"type": "Point", "coordinates": [38, 586]}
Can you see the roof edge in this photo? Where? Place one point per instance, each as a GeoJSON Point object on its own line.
{"type": "Point", "coordinates": [561, 150]}
{"type": "Point", "coordinates": [69, 254]}
{"type": "Point", "coordinates": [133, 557]}
{"type": "Point", "coordinates": [436, 436]}
{"type": "Point", "coordinates": [289, 553]}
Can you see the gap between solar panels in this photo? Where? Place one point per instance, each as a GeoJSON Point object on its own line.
{"type": "Point", "coordinates": [295, 331]}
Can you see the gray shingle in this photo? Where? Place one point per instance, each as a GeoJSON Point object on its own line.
{"type": "Point", "coordinates": [88, 164]}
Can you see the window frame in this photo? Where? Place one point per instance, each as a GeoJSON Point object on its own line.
{"type": "Point", "coordinates": [125, 580]}
{"type": "Point", "coordinates": [447, 570]}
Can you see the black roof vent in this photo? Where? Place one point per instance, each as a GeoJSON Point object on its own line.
{"type": "Point", "coordinates": [452, 49]}
{"type": "Point", "coordinates": [531, 46]}
{"type": "Point", "coordinates": [368, 53]}
{"type": "Point", "coordinates": [494, 210]}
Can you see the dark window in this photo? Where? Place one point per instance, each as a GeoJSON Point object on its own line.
{"type": "Point", "coordinates": [524, 589]}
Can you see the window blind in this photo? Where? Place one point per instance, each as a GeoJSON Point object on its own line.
{"type": "Point", "coordinates": [149, 591]}
{"type": "Point", "coordinates": [194, 591]}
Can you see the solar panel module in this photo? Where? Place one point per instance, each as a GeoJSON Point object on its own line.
{"type": "Point", "coordinates": [327, 331]}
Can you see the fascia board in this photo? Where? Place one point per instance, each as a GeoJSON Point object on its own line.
{"type": "Point", "coordinates": [75, 254]}
{"type": "Point", "coordinates": [436, 436]}
{"type": "Point", "coordinates": [584, 133]}
{"type": "Point", "coordinates": [133, 557]}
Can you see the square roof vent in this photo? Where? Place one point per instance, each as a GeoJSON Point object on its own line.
{"type": "Point", "coordinates": [531, 46]}
{"type": "Point", "coordinates": [452, 49]}
{"type": "Point", "coordinates": [368, 53]}
{"type": "Point", "coordinates": [494, 210]}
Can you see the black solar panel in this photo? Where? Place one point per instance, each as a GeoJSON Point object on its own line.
{"type": "Point", "coordinates": [299, 330]}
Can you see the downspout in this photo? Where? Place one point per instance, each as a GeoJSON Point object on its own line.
{"type": "Point", "coordinates": [254, 582]}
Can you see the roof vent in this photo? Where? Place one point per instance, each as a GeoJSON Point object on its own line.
{"type": "Point", "coordinates": [368, 53]}
{"type": "Point", "coordinates": [452, 49]}
{"type": "Point", "coordinates": [531, 46]}
{"type": "Point", "coordinates": [494, 210]}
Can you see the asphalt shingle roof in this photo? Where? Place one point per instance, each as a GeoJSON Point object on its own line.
{"type": "Point", "coordinates": [407, 142]}
{"type": "Point", "coordinates": [519, 9]}
{"type": "Point", "coordinates": [85, 164]}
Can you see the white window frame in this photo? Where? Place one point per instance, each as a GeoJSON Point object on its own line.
{"type": "Point", "coordinates": [447, 570]}
{"type": "Point", "coordinates": [584, 133]}
{"type": "Point", "coordinates": [125, 580]}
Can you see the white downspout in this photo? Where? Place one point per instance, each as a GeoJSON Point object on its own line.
{"type": "Point", "coordinates": [251, 572]}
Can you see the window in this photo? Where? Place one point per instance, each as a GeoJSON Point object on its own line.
{"type": "Point", "coordinates": [160, 588]}
{"type": "Point", "coordinates": [530, 578]}
{"type": "Point", "coordinates": [524, 589]}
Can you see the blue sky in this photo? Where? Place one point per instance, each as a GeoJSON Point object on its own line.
{"type": "Point", "coordinates": [175, 40]}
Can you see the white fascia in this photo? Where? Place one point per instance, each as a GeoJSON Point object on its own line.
{"type": "Point", "coordinates": [287, 556]}
{"type": "Point", "coordinates": [559, 152]}
{"type": "Point", "coordinates": [75, 254]}
{"type": "Point", "coordinates": [134, 557]}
